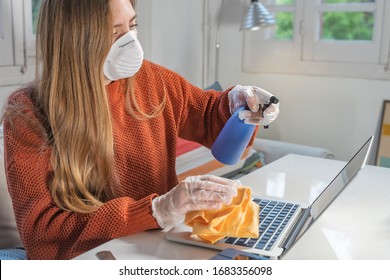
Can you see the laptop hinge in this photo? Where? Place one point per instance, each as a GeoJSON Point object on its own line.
{"type": "Point", "coordinates": [304, 215]}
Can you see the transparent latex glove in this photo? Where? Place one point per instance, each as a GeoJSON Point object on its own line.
{"type": "Point", "coordinates": [204, 192]}
{"type": "Point", "coordinates": [255, 99]}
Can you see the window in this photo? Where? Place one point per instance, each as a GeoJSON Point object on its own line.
{"type": "Point", "coordinates": [5, 32]}
{"type": "Point", "coordinates": [326, 37]}
{"type": "Point", "coordinates": [11, 40]}
{"type": "Point", "coordinates": [17, 40]}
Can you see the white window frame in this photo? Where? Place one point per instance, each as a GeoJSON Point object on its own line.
{"type": "Point", "coordinates": [6, 57]}
{"type": "Point", "coordinates": [17, 43]}
{"type": "Point", "coordinates": [306, 54]}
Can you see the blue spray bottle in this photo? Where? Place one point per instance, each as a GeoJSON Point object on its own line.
{"type": "Point", "coordinates": [232, 140]}
{"type": "Point", "coordinates": [234, 137]}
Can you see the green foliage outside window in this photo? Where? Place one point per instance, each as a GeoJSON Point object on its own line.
{"type": "Point", "coordinates": [348, 26]}
{"type": "Point", "coordinates": [346, 1]}
{"type": "Point", "coordinates": [284, 26]}
{"type": "Point", "coordinates": [285, 2]}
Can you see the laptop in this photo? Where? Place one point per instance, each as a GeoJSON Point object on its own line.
{"type": "Point", "coordinates": [281, 222]}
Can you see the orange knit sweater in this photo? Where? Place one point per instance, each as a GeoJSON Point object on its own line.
{"type": "Point", "coordinates": [145, 160]}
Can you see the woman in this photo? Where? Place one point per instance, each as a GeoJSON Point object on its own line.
{"type": "Point", "coordinates": [90, 145]}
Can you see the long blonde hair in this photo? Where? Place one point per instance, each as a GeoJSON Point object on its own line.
{"type": "Point", "coordinates": [73, 40]}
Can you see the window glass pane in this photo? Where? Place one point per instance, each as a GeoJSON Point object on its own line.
{"type": "Point", "coordinates": [35, 4]}
{"type": "Point", "coordinates": [348, 26]}
{"type": "Point", "coordinates": [284, 26]}
{"type": "Point", "coordinates": [347, 1]}
{"type": "Point", "coordinates": [284, 2]}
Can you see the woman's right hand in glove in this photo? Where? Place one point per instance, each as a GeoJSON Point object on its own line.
{"type": "Point", "coordinates": [204, 192]}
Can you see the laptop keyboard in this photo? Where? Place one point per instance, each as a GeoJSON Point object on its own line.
{"type": "Point", "coordinates": [274, 216]}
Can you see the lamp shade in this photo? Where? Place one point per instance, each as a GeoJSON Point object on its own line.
{"type": "Point", "coordinates": [257, 16]}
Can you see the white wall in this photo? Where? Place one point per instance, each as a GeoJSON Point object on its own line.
{"type": "Point", "coordinates": [332, 112]}
{"type": "Point", "coordinates": [171, 35]}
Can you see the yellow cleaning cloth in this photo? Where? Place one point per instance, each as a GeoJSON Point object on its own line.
{"type": "Point", "coordinates": [239, 219]}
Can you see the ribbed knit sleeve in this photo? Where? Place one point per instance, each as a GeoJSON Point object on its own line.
{"type": "Point", "coordinates": [199, 114]}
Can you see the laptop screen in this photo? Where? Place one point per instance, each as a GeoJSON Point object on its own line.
{"type": "Point", "coordinates": [341, 180]}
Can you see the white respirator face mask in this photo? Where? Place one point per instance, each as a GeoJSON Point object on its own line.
{"type": "Point", "coordinates": [124, 58]}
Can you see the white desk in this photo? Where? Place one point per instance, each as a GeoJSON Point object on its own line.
{"type": "Point", "coordinates": [355, 226]}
